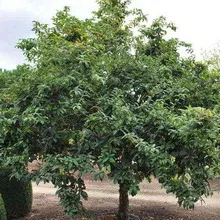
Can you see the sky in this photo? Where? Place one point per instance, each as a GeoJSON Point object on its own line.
{"type": "Point", "coordinates": [197, 21]}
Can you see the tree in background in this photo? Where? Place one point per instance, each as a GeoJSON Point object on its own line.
{"type": "Point", "coordinates": [100, 99]}
{"type": "Point", "coordinates": [212, 59]}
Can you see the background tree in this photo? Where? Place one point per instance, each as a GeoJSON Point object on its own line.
{"type": "Point", "coordinates": [212, 59]}
{"type": "Point", "coordinates": [99, 99]}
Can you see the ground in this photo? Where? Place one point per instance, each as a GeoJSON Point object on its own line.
{"type": "Point", "coordinates": [152, 203]}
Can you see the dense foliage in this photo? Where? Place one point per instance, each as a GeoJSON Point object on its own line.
{"type": "Point", "coordinates": [100, 99]}
{"type": "Point", "coordinates": [2, 209]}
{"type": "Point", "coordinates": [17, 194]}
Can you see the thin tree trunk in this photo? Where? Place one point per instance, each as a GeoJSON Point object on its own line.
{"type": "Point", "coordinates": [123, 201]}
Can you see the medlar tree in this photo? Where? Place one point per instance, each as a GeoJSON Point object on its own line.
{"type": "Point", "coordinates": [97, 98]}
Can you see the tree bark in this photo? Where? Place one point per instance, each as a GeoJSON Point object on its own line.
{"type": "Point", "coordinates": [123, 201]}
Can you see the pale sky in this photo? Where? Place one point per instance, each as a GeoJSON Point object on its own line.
{"type": "Point", "coordinates": [197, 21]}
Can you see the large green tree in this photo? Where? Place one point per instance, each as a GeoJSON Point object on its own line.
{"type": "Point", "coordinates": [111, 95]}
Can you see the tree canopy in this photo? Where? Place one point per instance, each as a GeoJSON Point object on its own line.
{"type": "Point", "coordinates": [97, 97]}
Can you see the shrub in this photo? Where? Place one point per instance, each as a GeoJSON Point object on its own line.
{"type": "Point", "coordinates": [17, 194]}
{"type": "Point", "coordinates": [2, 209]}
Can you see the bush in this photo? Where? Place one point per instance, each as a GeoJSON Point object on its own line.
{"type": "Point", "coordinates": [2, 209]}
{"type": "Point", "coordinates": [17, 194]}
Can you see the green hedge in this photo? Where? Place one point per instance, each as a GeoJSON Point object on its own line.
{"type": "Point", "coordinates": [17, 194]}
{"type": "Point", "coordinates": [2, 209]}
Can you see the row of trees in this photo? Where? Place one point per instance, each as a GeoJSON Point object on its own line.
{"type": "Point", "coordinates": [97, 98]}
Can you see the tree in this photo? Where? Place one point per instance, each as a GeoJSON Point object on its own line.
{"type": "Point", "coordinates": [100, 99]}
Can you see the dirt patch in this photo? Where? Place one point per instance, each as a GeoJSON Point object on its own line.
{"type": "Point", "coordinates": [152, 203]}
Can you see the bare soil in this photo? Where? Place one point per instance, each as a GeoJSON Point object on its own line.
{"type": "Point", "coordinates": [152, 203]}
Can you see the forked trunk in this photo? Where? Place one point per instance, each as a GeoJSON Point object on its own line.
{"type": "Point", "coordinates": [123, 202]}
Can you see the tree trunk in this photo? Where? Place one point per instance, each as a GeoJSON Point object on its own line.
{"type": "Point", "coordinates": [123, 201]}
